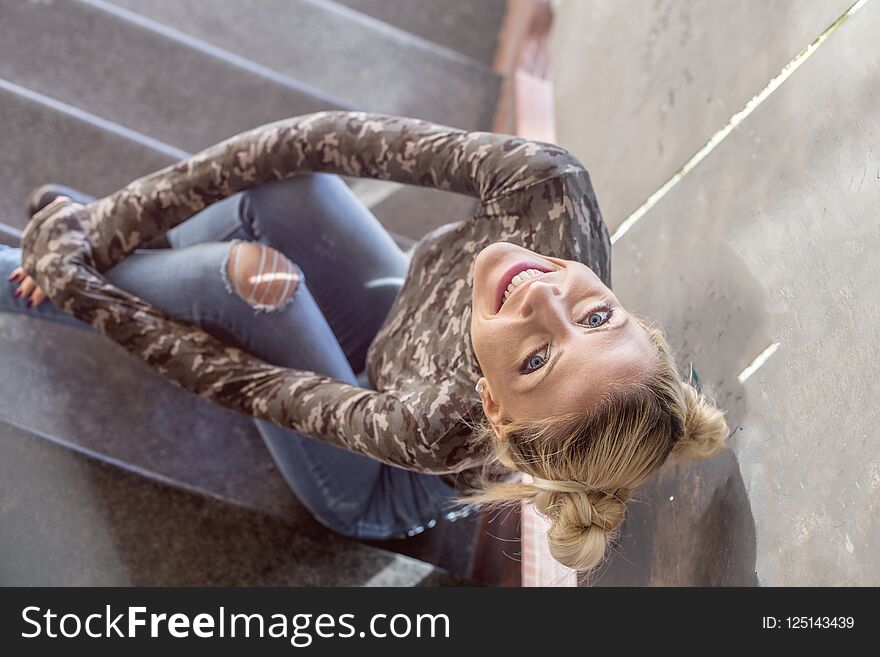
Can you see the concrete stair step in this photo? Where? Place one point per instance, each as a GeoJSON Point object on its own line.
{"type": "Point", "coordinates": [469, 27]}
{"type": "Point", "coordinates": [411, 212]}
{"type": "Point", "coordinates": [368, 63]}
{"type": "Point", "coordinates": [82, 389]}
{"type": "Point", "coordinates": [75, 520]}
{"type": "Point", "coordinates": [48, 140]}
{"type": "Point", "coordinates": [10, 235]}
{"type": "Point", "coordinates": [155, 82]}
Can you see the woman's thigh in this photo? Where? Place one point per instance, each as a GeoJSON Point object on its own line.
{"type": "Point", "coordinates": [219, 222]}
{"type": "Point", "coordinates": [354, 494]}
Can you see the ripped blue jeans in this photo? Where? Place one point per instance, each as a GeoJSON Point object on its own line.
{"type": "Point", "coordinates": [351, 271]}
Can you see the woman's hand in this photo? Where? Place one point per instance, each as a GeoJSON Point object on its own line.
{"type": "Point", "coordinates": [54, 238]}
{"type": "Point", "coordinates": [27, 287]}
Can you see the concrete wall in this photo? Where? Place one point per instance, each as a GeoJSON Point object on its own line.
{"type": "Point", "coordinates": [641, 86]}
{"type": "Point", "coordinates": [771, 240]}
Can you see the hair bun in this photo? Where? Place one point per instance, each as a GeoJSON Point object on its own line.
{"type": "Point", "coordinates": [705, 428]}
{"type": "Point", "coordinates": [582, 520]}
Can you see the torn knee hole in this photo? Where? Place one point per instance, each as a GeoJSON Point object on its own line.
{"type": "Point", "coordinates": [262, 276]}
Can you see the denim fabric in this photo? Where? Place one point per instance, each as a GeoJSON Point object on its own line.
{"type": "Point", "coordinates": [352, 271]}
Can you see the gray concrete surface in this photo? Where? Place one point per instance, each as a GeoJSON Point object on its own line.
{"type": "Point", "coordinates": [47, 140]}
{"type": "Point", "coordinates": [72, 520]}
{"type": "Point", "coordinates": [42, 143]}
{"type": "Point", "coordinates": [112, 69]}
{"type": "Point", "coordinates": [9, 235]}
{"type": "Point", "coordinates": [470, 28]}
{"type": "Point", "coordinates": [342, 52]}
{"type": "Point", "coordinates": [640, 87]}
{"type": "Point", "coordinates": [412, 211]}
{"type": "Point", "coordinates": [70, 385]}
{"type": "Point", "coordinates": [773, 238]}
{"type": "Point", "coordinates": [85, 390]}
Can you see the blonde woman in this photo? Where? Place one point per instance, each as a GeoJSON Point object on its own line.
{"type": "Point", "coordinates": [496, 348]}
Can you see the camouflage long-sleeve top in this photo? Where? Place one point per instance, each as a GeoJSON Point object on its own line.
{"type": "Point", "coordinates": [421, 363]}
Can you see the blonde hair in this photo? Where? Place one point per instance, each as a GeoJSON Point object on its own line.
{"type": "Point", "coordinates": [585, 465]}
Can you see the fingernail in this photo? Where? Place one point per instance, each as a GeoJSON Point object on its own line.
{"type": "Point", "coordinates": [30, 301]}
{"type": "Point", "coordinates": [18, 292]}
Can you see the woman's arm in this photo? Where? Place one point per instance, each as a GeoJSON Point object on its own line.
{"type": "Point", "coordinates": [486, 165]}
{"type": "Point", "coordinates": [58, 255]}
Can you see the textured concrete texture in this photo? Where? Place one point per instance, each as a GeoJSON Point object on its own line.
{"type": "Point", "coordinates": [470, 28]}
{"type": "Point", "coordinates": [41, 143]}
{"type": "Point", "coordinates": [9, 235]}
{"type": "Point", "coordinates": [72, 520]}
{"type": "Point", "coordinates": [413, 211]}
{"type": "Point", "coordinates": [78, 386]}
{"type": "Point", "coordinates": [640, 89]}
{"type": "Point", "coordinates": [185, 97]}
{"type": "Point", "coordinates": [341, 52]}
{"type": "Point", "coordinates": [772, 239]}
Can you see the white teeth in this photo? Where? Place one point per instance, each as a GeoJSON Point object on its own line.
{"type": "Point", "coordinates": [519, 278]}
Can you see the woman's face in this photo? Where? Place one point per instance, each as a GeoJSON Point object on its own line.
{"type": "Point", "coordinates": [555, 342]}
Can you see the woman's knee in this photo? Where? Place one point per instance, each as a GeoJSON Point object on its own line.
{"type": "Point", "coordinates": [264, 277]}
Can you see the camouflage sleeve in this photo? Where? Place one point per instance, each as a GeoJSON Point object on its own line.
{"type": "Point", "coordinates": [486, 165]}
{"type": "Point", "coordinates": [57, 253]}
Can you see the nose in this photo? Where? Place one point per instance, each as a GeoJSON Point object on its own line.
{"type": "Point", "coordinates": [543, 298]}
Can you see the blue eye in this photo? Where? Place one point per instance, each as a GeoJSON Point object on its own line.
{"type": "Point", "coordinates": [597, 317]}
{"type": "Point", "coordinates": [536, 360]}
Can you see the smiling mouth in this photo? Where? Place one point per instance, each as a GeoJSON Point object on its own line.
{"type": "Point", "coordinates": [515, 277]}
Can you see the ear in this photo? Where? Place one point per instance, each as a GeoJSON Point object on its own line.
{"type": "Point", "coordinates": [491, 408]}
